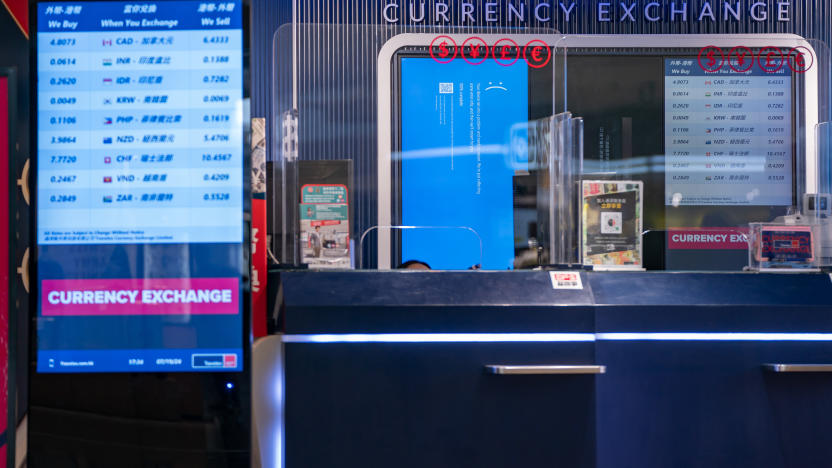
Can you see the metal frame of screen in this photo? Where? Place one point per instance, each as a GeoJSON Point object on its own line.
{"type": "Point", "coordinates": [388, 95]}
{"type": "Point", "coordinates": [396, 184]}
{"type": "Point", "coordinates": [246, 220]}
{"type": "Point", "coordinates": [235, 415]}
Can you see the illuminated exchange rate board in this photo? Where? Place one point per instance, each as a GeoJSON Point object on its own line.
{"type": "Point", "coordinates": [728, 135]}
{"type": "Point", "coordinates": [140, 186]}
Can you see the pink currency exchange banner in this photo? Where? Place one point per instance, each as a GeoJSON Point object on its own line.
{"type": "Point", "coordinates": [148, 296]}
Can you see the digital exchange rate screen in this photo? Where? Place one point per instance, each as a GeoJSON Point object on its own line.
{"type": "Point", "coordinates": [140, 186]}
{"type": "Point", "coordinates": [728, 135]}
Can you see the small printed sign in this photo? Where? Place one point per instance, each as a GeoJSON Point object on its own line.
{"type": "Point", "coordinates": [611, 227]}
{"type": "Point", "coordinates": [566, 280]}
{"type": "Point", "coordinates": [786, 247]}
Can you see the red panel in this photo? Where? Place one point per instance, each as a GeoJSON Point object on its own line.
{"type": "Point", "coordinates": [19, 9]}
{"type": "Point", "coordinates": [259, 267]}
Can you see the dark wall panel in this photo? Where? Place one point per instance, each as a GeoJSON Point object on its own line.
{"type": "Point", "coordinates": [14, 52]}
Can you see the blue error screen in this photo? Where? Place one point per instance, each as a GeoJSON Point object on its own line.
{"type": "Point", "coordinates": [464, 135]}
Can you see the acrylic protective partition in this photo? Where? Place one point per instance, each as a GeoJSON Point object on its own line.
{"type": "Point", "coordinates": [802, 240]}
{"type": "Point", "coordinates": [415, 147]}
{"type": "Point", "coordinates": [141, 138]}
{"type": "Point", "coordinates": [739, 143]}
{"type": "Point", "coordinates": [699, 135]}
{"type": "Point", "coordinates": [655, 151]}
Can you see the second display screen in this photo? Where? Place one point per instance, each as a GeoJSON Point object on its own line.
{"type": "Point", "coordinates": [463, 139]}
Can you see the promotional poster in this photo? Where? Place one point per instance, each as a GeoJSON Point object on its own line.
{"type": "Point", "coordinates": [612, 223]}
{"type": "Point", "coordinates": [325, 226]}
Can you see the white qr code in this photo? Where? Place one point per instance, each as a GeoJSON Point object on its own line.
{"type": "Point", "coordinates": [566, 280]}
{"type": "Point", "coordinates": [446, 88]}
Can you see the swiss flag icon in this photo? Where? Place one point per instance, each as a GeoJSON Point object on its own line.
{"type": "Point", "coordinates": [229, 360]}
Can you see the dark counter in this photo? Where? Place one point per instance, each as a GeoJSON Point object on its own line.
{"type": "Point", "coordinates": [388, 369]}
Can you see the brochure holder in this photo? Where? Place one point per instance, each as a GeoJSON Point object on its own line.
{"type": "Point", "coordinates": [611, 224]}
{"type": "Point", "coordinates": [784, 247]}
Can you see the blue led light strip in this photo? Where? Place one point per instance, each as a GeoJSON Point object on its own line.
{"type": "Point", "coordinates": [440, 338]}
{"type": "Point", "coordinates": [685, 336]}
{"type": "Point", "coordinates": [548, 337]}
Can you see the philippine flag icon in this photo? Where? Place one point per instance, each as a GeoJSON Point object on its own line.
{"type": "Point", "coordinates": [108, 120]}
